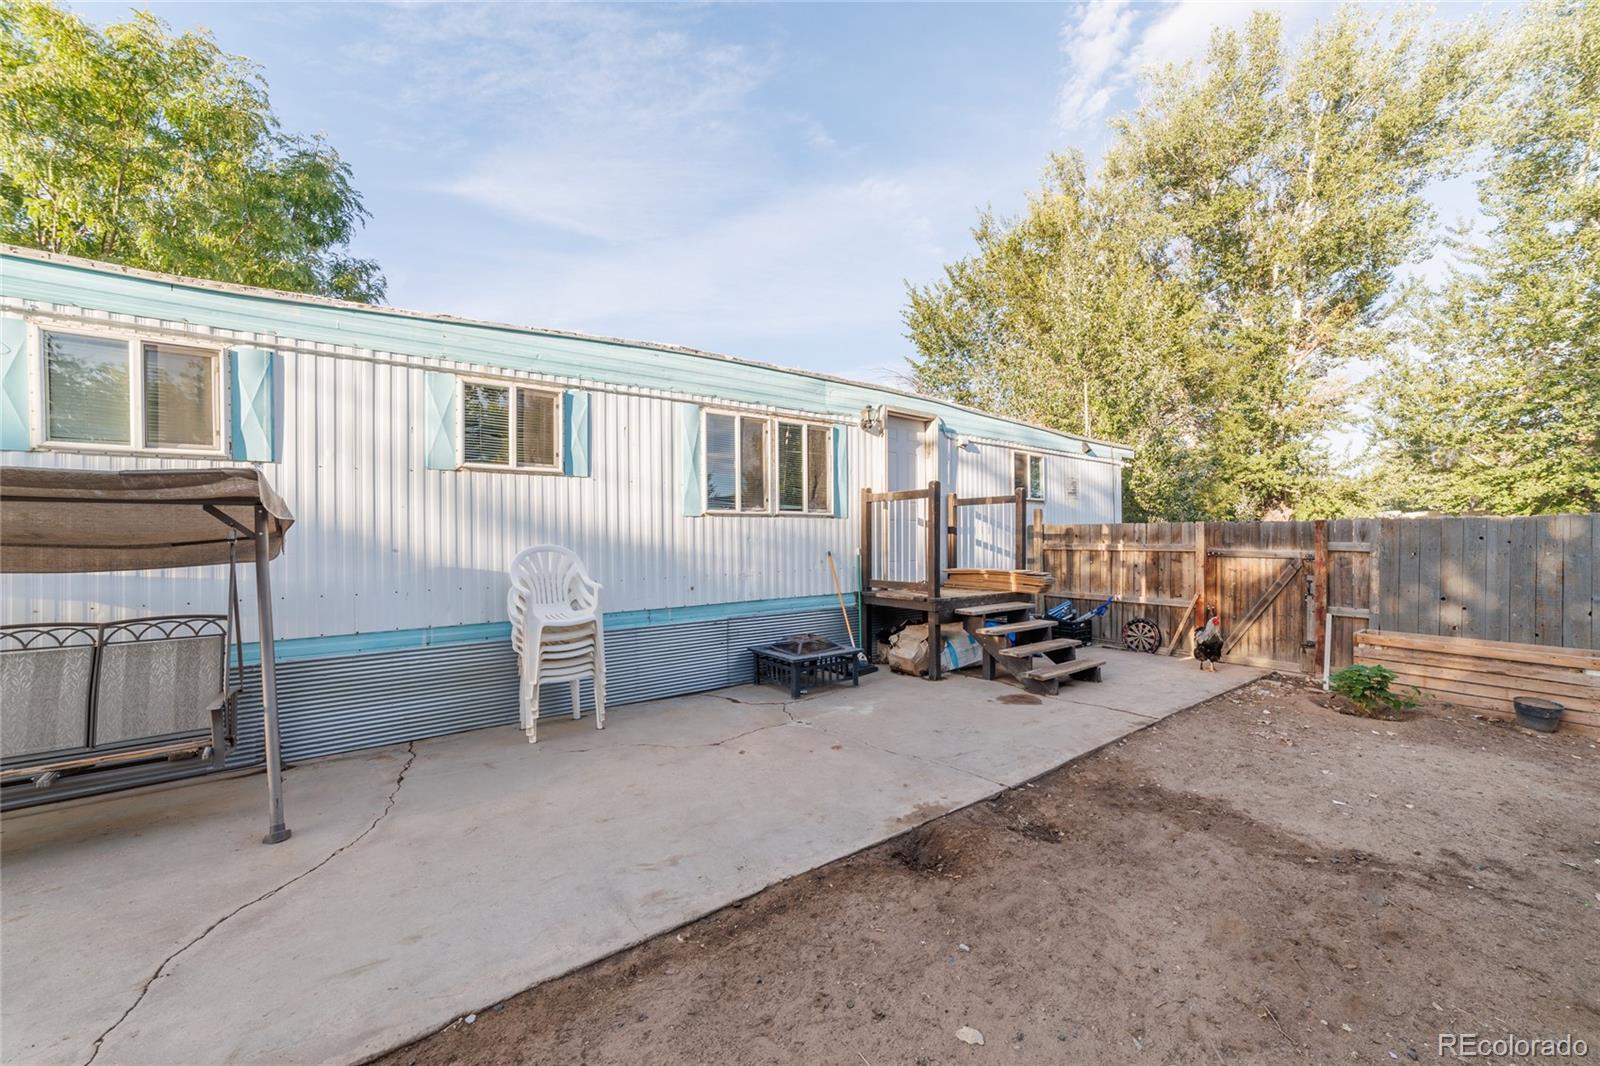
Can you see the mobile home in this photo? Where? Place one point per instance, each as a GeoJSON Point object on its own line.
{"type": "Point", "coordinates": [420, 452]}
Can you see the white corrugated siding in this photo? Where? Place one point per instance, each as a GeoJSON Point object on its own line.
{"type": "Point", "coordinates": [381, 543]}
{"type": "Point", "coordinates": [1077, 489]}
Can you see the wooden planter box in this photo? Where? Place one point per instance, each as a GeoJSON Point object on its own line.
{"type": "Point", "coordinates": [1487, 674]}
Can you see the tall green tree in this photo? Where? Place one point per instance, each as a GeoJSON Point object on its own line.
{"type": "Point", "coordinates": [1239, 247]}
{"type": "Point", "coordinates": [1495, 406]}
{"type": "Point", "coordinates": [138, 146]}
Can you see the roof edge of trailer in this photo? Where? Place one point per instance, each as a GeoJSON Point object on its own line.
{"type": "Point", "coordinates": [262, 293]}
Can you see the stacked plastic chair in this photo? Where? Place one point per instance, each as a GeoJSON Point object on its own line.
{"type": "Point", "coordinates": [554, 607]}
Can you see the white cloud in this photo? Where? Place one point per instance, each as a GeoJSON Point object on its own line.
{"type": "Point", "coordinates": [604, 123]}
{"type": "Point", "coordinates": [1109, 46]}
{"type": "Point", "coordinates": [818, 258]}
{"type": "Point", "coordinates": [1182, 32]}
{"type": "Point", "coordinates": [1094, 43]}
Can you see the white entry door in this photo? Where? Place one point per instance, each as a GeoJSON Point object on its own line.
{"type": "Point", "coordinates": [905, 541]}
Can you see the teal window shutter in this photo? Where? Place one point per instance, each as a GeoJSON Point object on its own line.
{"type": "Point", "coordinates": [575, 421]}
{"type": "Point", "coordinates": [14, 435]}
{"type": "Point", "coordinates": [692, 460]}
{"type": "Point", "coordinates": [439, 420]}
{"type": "Point", "coordinates": [254, 436]}
{"type": "Point", "coordinates": [841, 476]}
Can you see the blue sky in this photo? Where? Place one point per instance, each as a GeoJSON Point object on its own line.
{"type": "Point", "coordinates": [755, 180]}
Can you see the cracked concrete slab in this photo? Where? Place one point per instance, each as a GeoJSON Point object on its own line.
{"type": "Point", "coordinates": [96, 895]}
{"type": "Point", "coordinates": [423, 884]}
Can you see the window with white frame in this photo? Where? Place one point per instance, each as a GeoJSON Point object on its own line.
{"type": "Point", "coordinates": [1027, 471]}
{"type": "Point", "coordinates": [110, 391]}
{"type": "Point", "coordinates": [759, 465]}
{"type": "Point", "coordinates": [510, 426]}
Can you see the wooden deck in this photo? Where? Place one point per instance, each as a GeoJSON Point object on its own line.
{"type": "Point", "coordinates": [928, 596]}
{"type": "Point", "coordinates": [935, 610]}
{"type": "Point", "coordinates": [948, 600]}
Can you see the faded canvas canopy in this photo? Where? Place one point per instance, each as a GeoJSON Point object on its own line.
{"type": "Point", "coordinates": [81, 521]}
{"type": "Point", "coordinates": [92, 521]}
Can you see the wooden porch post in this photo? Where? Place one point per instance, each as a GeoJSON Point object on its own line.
{"type": "Point", "coordinates": [866, 539]}
{"type": "Point", "coordinates": [952, 515]}
{"type": "Point", "coordinates": [1202, 578]}
{"type": "Point", "coordinates": [1319, 590]}
{"type": "Point", "coordinates": [1022, 529]}
{"type": "Point", "coordinates": [935, 639]}
{"type": "Point", "coordinates": [1036, 555]}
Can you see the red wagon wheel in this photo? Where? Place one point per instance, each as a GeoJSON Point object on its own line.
{"type": "Point", "coordinates": [1141, 634]}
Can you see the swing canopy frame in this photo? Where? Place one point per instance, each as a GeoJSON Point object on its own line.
{"type": "Point", "coordinates": [55, 521]}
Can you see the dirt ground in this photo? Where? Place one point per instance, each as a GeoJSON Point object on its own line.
{"type": "Point", "coordinates": [1257, 879]}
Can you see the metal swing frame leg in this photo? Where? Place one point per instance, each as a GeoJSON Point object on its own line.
{"type": "Point", "coordinates": [277, 829]}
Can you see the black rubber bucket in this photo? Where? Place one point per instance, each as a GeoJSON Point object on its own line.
{"type": "Point", "coordinates": [1541, 715]}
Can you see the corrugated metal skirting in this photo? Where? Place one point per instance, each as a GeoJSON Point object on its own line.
{"type": "Point", "coordinates": [337, 705]}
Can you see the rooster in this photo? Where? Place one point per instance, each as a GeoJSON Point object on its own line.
{"type": "Point", "coordinates": [1208, 644]}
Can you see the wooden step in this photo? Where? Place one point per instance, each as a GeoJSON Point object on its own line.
{"type": "Point", "coordinates": [994, 608]}
{"type": "Point", "coordinates": [1060, 670]}
{"type": "Point", "coordinates": [1039, 647]}
{"type": "Point", "coordinates": [1046, 680]}
{"type": "Point", "coordinates": [1009, 628]}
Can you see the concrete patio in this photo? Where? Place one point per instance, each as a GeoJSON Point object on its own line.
{"type": "Point", "coordinates": [429, 880]}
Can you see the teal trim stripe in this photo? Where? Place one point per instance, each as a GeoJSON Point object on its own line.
{"type": "Point", "coordinates": [350, 644]}
{"type": "Point", "coordinates": [635, 365]}
{"type": "Point", "coordinates": [713, 612]}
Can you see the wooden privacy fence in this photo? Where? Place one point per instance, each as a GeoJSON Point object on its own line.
{"type": "Point", "coordinates": [1276, 584]}
{"type": "Point", "coordinates": [1524, 580]}
{"type": "Point", "coordinates": [1272, 583]}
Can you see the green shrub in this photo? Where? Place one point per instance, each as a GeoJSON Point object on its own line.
{"type": "Point", "coordinates": [1368, 688]}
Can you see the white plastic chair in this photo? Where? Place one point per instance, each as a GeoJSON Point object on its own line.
{"type": "Point", "coordinates": [554, 607]}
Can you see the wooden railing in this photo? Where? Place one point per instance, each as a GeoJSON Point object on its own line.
{"type": "Point", "coordinates": [953, 505]}
{"type": "Point", "coordinates": [884, 531]}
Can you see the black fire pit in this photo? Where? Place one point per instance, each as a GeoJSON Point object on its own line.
{"type": "Point", "coordinates": [805, 662]}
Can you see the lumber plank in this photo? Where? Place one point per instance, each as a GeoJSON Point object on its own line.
{"type": "Point", "coordinates": [1476, 594]}
{"type": "Point", "coordinates": [1060, 670]}
{"type": "Point", "coordinates": [1494, 612]}
{"type": "Point", "coordinates": [1015, 627]}
{"type": "Point", "coordinates": [1492, 649]}
{"type": "Point", "coordinates": [1527, 671]}
{"type": "Point", "coordinates": [1022, 651]}
{"type": "Point", "coordinates": [1521, 593]}
{"type": "Point", "coordinates": [994, 608]}
{"type": "Point", "coordinates": [1577, 579]}
{"type": "Point", "coordinates": [1547, 614]}
{"type": "Point", "coordinates": [1576, 695]}
{"type": "Point", "coordinates": [1452, 577]}
{"type": "Point", "coordinates": [1430, 534]}
{"type": "Point", "coordinates": [1410, 576]}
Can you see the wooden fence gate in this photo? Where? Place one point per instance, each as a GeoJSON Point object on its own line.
{"type": "Point", "coordinates": [1273, 583]}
